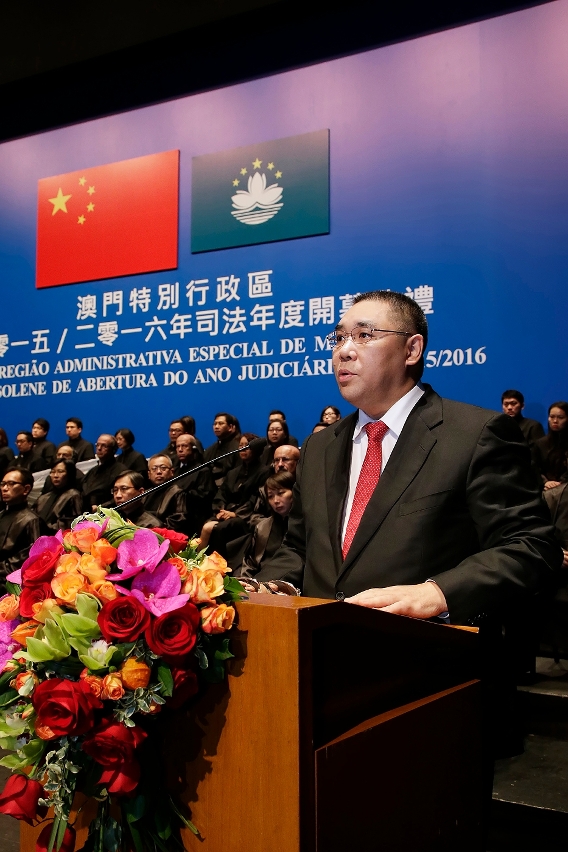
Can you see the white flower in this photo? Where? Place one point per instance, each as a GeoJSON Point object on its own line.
{"type": "Point", "coordinates": [258, 194]}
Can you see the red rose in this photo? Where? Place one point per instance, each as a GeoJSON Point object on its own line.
{"type": "Point", "coordinates": [185, 686]}
{"type": "Point", "coordinates": [174, 634]}
{"type": "Point", "coordinates": [112, 745]}
{"type": "Point", "coordinates": [40, 567]}
{"type": "Point", "coordinates": [20, 797]}
{"type": "Point", "coordinates": [124, 619]}
{"type": "Point", "coordinates": [67, 844]}
{"type": "Point", "coordinates": [177, 541]}
{"type": "Point", "coordinates": [31, 595]}
{"type": "Point", "coordinates": [64, 708]}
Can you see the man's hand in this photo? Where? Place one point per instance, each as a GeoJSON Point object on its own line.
{"type": "Point", "coordinates": [424, 600]}
{"type": "Point", "coordinates": [224, 515]}
{"type": "Point", "coordinates": [552, 483]}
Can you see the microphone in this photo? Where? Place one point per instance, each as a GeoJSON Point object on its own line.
{"type": "Point", "coordinates": [252, 445]}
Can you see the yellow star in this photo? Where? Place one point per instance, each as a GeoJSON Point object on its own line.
{"type": "Point", "coordinates": [59, 202]}
{"type": "Point", "coordinates": [90, 207]}
{"type": "Point", "coordinates": [270, 166]}
{"type": "Point", "coordinates": [82, 181]}
{"type": "Point", "coordinates": [235, 182]}
{"type": "Point", "coordinates": [257, 163]}
{"type": "Point", "coordinates": [90, 190]}
{"type": "Point", "coordinates": [243, 171]}
{"type": "Point", "coordinates": [81, 220]}
{"type": "Point", "coordinates": [277, 174]}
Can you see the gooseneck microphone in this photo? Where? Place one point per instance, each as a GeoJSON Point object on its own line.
{"type": "Point", "coordinates": [252, 445]}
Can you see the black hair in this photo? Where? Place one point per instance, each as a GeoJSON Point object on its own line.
{"type": "Point", "coordinates": [27, 477]}
{"type": "Point", "coordinates": [281, 479]}
{"type": "Point", "coordinates": [513, 394]}
{"type": "Point", "coordinates": [256, 451]}
{"type": "Point", "coordinates": [335, 410]}
{"type": "Point", "coordinates": [136, 479]}
{"type": "Point", "coordinates": [188, 423]}
{"type": "Point", "coordinates": [44, 424]}
{"type": "Point", "coordinates": [127, 434]}
{"type": "Point", "coordinates": [231, 420]}
{"type": "Point", "coordinates": [29, 436]}
{"type": "Point", "coordinates": [286, 437]}
{"type": "Point", "coordinates": [76, 420]}
{"type": "Point", "coordinates": [70, 470]}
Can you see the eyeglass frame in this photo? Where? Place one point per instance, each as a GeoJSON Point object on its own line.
{"type": "Point", "coordinates": [362, 326]}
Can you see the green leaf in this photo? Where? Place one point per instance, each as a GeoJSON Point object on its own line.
{"type": "Point", "coordinates": [54, 636]}
{"type": "Point", "coordinates": [13, 589]}
{"type": "Point", "coordinates": [112, 835]}
{"type": "Point", "coordinates": [8, 697]}
{"type": "Point", "coordinates": [166, 679]}
{"type": "Point", "coordinates": [80, 627]}
{"type": "Point", "coordinates": [12, 761]}
{"type": "Point", "coordinates": [163, 824]}
{"type": "Point", "coordinates": [87, 605]}
{"type": "Point", "coordinates": [134, 808]}
{"type": "Point", "coordinates": [234, 589]}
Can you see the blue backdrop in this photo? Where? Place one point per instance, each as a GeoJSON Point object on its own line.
{"type": "Point", "coordinates": [448, 180]}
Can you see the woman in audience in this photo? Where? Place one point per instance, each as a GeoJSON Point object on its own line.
{"type": "Point", "coordinates": [277, 435]}
{"type": "Point", "coordinates": [330, 414]}
{"type": "Point", "coordinates": [269, 532]}
{"type": "Point", "coordinates": [551, 452]}
{"type": "Point", "coordinates": [188, 423]}
{"type": "Point", "coordinates": [129, 457]}
{"type": "Point", "coordinates": [64, 502]}
{"type": "Point", "coordinates": [6, 454]}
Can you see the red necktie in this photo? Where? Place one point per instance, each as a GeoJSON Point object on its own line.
{"type": "Point", "coordinates": [368, 478]}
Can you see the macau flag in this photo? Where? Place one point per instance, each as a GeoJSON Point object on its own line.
{"type": "Point", "coordinates": [275, 190]}
{"type": "Point", "coordinates": [107, 221]}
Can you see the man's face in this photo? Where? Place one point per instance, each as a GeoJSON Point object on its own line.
{"type": "Point", "coordinates": [512, 407]}
{"type": "Point", "coordinates": [286, 458]}
{"type": "Point", "coordinates": [22, 443]}
{"type": "Point", "coordinates": [222, 429]}
{"type": "Point", "coordinates": [11, 488]}
{"type": "Point", "coordinates": [38, 432]}
{"type": "Point", "coordinates": [159, 470]}
{"type": "Point", "coordinates": [175, 430]}
{"type": "Point", "coordinates": [184, 448]}
{"type": "Point", "coordinates": [104, 447]}
{"type": "Point", "coordinates": [65, 453]}
{"type": "Point", "coordinates": [374, 375]}
{"type": "Point", "coordinates": [72, 430]}
{"type": "Point", "coordinates": [123, 490]}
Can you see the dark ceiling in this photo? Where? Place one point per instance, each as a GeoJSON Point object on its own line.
{"type": "Point", "coordinates": [64, 62]}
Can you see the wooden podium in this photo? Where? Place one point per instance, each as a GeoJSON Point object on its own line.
{"type": "Point", "coordinates": [338, 728]}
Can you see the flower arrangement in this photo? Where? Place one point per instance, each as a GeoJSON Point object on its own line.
{"type": "Point", "coordinates": [105, 626]}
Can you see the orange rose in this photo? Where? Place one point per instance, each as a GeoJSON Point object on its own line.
{"type": "Point", "coordinates": [44, 732]}
{"type": "Point", "coordinates": [82, 539]}
{"type": "Point", "coordinates": [66, 587]}
{"type": "Point", "coordinates": [23, 631]}
{"type": "Point", "coordinates": [103, 551]}
{"type": "Point", "coordinates": [181, 566]}
{"type": "Point", "coordinates": [68, 562]}
{"type": "Point", "coordinates": [91, 568]}
{"type": "Point", "coordinates": [21, 680]}
{"type": "Point", "coordinates": [215, 562]}
{"type": "Point", "coordinates": [217, 619]}
{"type": "Point", "coordinates": [95, 683]}
{"type": "Point", "coordinates": [112, 687]}
{"type": "Point", "coordinates": [135, 674]}
{"type": "Point", "coordinates": [9, 608]}
{"type": "Point", "coordinates": [104, 590]}
{"type": "Point", "coordinates": [45, 609]}
{"type": "Point", "coordinates": [203, 586]}
{"type": "Point", "coordinates": [10, 666]}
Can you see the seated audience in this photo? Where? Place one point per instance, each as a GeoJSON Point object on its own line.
{"type": "Point", "coordinates": [513, 403]}
{"type": "Point", "coordinates": [98, 481]}
{"type": "Point", "coordinates": [330, 415]}
{"type": "Point", "coordinates": [286, 458]}
{"type": "Point", "coordinates": [27, 456]}
{"type": "Point", "coordinates": [66, 453]}
{"type": "Point", "coordinates": [198, 488]}
{"type": "Point", "coordinates": [19, 526]}
{"type": "Point", "coordinates": [188, 423]}
{"type": "Point", "coordinates": [269, 532]}
{"type": "Point", "coordinates": [277, 414]}
{"type": "Point", "coordinates": [64, 502]}
{"type": "Point", "coordinates": [128, 456]}
{"type": "Point", "coordinates": [44, 447]}
{"type": "Point", "coordinates": [127, 485]}
{"type": "Point", "coordinates": [277, 435]}
{"type": "Point", "coordinates": [176, 429]}
{"type": "Point", "coordinates": [234, 501]}
{"type": "Point", "coordinates": [6, 454]}
{"type": "Point", "coordinates": [83, 448]}
{"type": "Point", "coordinates": [227, 431]}
{"type": "Point", "coordinates": [168, 504]}
{"type": "Point", "coordinates": [550, 453]}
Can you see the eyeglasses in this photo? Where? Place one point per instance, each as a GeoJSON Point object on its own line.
{"type": "Point", "coordinates": [122, 489]}
{"type": "Point", "coordinates": [158, 467]}
{"type": "Point", "coordinates": [360, 335]}
{"type": "Point", "coordinates": [9, 483]}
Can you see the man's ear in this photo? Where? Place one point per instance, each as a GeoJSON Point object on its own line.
{"type": "Point", "coordinates": [27, 489]}
{"type": "Point", "coordinates": [414, 349]}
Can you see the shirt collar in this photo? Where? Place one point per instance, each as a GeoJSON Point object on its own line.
{"type": "Point", "coordinates": [396, 416]}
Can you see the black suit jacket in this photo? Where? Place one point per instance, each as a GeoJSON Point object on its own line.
{"type": "Point", "coordinates": [456, 503]}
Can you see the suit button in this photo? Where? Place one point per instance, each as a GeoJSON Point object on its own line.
{"type": "Point", "coordinates": [340, 596]}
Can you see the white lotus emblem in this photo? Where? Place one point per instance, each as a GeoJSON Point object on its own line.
{"type": "Point", "coordinates": [259, 202]}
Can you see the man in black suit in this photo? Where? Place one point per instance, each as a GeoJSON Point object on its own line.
{"type": "Point", "coordinates": [455, 524]}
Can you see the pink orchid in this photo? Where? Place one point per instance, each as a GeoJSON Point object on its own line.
{"type": "Point", "coordinates": [8, 646]}
{"type": "Point", "coordinates": [40, 545]}
{"type": "Point", "coordinates": [158, 590]}
{"type": "Point", "coordinates": [15, 577]}
{"type": "Point", "coordinates": [141, 553]}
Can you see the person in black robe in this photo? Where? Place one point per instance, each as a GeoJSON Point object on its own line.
{"type": "Point", "coordinates": [19, 526]}
{"type": "Point", "coordinates": [74, 429]}
{"type": "Point", "coordinates": [6, 454]}
{"type": "Point", "coordinates": [97, 485]}
{"type": "Point", "coordinates": [64, 502]}
{"type": "Point", "coordinates": [27, 456]}
{"type": "Point", "coordinates": [126, 486]}
{"type": "Point", "coordinates": [42, 446]}
{"type": "Point", "coordinates": [128, 456]}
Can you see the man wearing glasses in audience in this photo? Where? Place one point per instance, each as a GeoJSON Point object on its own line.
{"type": "Point", "coordinates": [169, 505]}
{"type": "Point", "coordinates": [126, 486]}
{"type": "Point", "coordinates": [98, 481]}
{"type": "Point", "coordinates": [19, 526]}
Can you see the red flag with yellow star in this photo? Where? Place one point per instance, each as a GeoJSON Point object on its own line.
{"type": "Point", "coordinates": [107, 221]}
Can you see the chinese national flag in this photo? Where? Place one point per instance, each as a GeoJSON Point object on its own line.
{"type": "Point", "coordinates": [107, 221]}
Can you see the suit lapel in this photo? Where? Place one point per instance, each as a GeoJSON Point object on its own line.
{"type": "Point", "coordinates": [410, 452]}
{"type": "Point", "coordinates": [337, 463]}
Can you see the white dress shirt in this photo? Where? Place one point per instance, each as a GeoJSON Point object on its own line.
{"type": "Point", "coordinates": [394, 418]}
